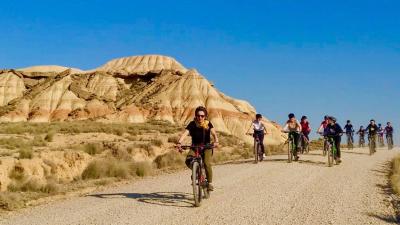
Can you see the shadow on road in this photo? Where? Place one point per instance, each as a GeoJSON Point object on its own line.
{"type": "Point", "coordinates": [172, 199]}
{"type": "Point", "coordinates": [353, 152]}
{"type": "Point", "coordinates": [316, 163]}
{"type": "Point", "coordinates": [387, 219]}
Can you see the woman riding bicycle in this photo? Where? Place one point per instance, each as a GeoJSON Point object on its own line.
{"type": "Point", "coordinates": [305, 127]}
{"type": "Point", "coordinates": [259, 131]}
{"type": "Point", "coordinates": [294, 128]}
{"type": "Point", "coordinates": [349, 130]}
{"type": "Point", "coordinates": [200, 129]}
{"type": "Point", "coordinates": [361, 133]}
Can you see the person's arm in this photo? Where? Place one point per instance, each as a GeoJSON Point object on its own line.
{"type": "Point", "coordinates": [251, 125]}
{"type": "Point", "coordinates": [214, 134]}
{"type": "Point", "coordinates": [298, 126]}
{"type": "Point", "coordinates": [265, 128]}
{"type": "Point", "coordinates": [286, 127]}
{"type": "Point", "coordinates": [183, 136]}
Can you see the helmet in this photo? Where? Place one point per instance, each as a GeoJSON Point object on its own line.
{"type": "Point", "coordinates": [332, 118]}
{"type": "Point", "coordinates": [372, 120]}
{"type": "Point", "coordinates": [291, 115]}
{"type": "Point", "coordinates": [379, 124]}
{"type": "Point", "coordinates": [348, 121]}
{"type": "Point", "coordinates": [258, 116]}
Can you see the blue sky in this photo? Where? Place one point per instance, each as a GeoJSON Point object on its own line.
{"type": "Point", "coordinates": [307, 57]}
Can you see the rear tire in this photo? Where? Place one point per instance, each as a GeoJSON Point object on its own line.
{"type": "Point", "coordinates": [290, 152]}
{"type": "Point", "coordinates": [255, 152]}
{"type": "Point", "coordinates": [330, 156]}
{"type": "Point", "coordinates": [197, 189]}
{"type": "Point", "coordinates": [260, 154]}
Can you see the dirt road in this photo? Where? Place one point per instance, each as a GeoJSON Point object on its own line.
{"type": "Point", "coordinates": [272, 192]}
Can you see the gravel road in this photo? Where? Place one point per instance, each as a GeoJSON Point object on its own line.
{"type": "Point", "coordinates": [271, 192]}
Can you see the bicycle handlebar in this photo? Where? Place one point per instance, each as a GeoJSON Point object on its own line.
{"type": "Point", "coordinates": [207, 146]}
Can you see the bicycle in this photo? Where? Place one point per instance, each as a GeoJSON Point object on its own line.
{"type": "Point", "coordinates": [372, 144]}
{"type": "Point", "coordinates": [258, 154]}
{"type": "Point", "coordinates": [389, 139]}
{"type": "Point", "coordinates": [332, 151]}
{"type": "Point", "coordinates": [305, 144]}
{"type": "Point", "coordinates": [361, 141]}
{"type": "Point", "coordinates": [349, 141]}
{"type": "Point", "coordinates": [199, 179]}
{"type": "Point", "coordinates": [325, 148]}
{"type": "Point", "coordinates": [291, 145]}
{"type": "Point", "coordinates": [380, 140]}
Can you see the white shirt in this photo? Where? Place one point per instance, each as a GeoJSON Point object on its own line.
{"type": "Point", "coordinates": [258, 126]}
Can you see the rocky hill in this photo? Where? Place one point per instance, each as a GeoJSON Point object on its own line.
{"type": "Point", "coordinates": [131, 89]}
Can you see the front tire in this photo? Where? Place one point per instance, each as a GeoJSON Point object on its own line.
{"type": "Point", "coordinates": [290, 151]}
{"type": "Point", "coordinates": [197, 189]}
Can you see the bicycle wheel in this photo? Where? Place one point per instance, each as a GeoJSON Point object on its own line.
{"type": "Point", "coordinates": [371, 146]}
{"type": "Point", "coordinates": [290, 152]}
{"type": "Point", "coordinates": [196, 183]}
{"type": "Point", "coordinates": [325, 150]}
{"type": "Point", "coordinates": [260, 154]}
{"type": "Point", "coordinates": [307, 147]}
{"type": "Point", "coordinates": [255, 151]}
{"type": "Point", "coordinates": [330, 156]}
{"type": "Point", "coordinates": [390, 142]}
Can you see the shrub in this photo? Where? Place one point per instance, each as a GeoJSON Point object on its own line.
{"type": "Point", "coordinates": [10, 201]}
{"type": "Point", "coordinates": [173, 139]}
{"type": "Point", "coordinates": [49, 136]}
{"type": "Point", "coordinates": [26, 153]}
{"type": "Point", "coordinates": [143, 169]}
{"type": "Point", "coordinates": [93, 148]}
{"type": "Point", "coordinates": [171, 159]}
{"type": "Point", "coordinates": [38, 141]}
{"type": "Point", "coordinates": [157, 142]}
{"type": "Point", "coordinates": [395, 176]}
{"type": "Point", "coordinates": [107, 168]}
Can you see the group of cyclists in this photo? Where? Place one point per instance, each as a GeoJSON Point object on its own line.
{"type": "Point", "coordinates": [201, 129]}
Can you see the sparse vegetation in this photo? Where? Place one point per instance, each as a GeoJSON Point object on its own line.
{"type": "Point", "coordinates": [171, 159]}
{"type": "Point", "coordinates": [395, 175]}
{"type": "Point", "coordinates": [93, 148]}
{"type": "Point", "coordinates": [25, 153]}
{"type": "Point", "coordinates": [49, 136]}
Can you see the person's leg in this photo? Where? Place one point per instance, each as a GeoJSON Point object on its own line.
{"type": "Point", "coordinates": [296, 139]}
{"type": "Point", "coordinates": [261, 138]}
{"type": "Point", "coordinates": [207, 164]}
{"type": "Point", "coordinates": [337, 144]}
{"type": "Point", "coordinates": [189, 159]}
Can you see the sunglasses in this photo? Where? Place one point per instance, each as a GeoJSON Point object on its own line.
{"type": "Point", "coordinates": [201, 116]}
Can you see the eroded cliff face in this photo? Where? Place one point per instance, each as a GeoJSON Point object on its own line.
{"type": "Point", "coordinates": [131, 89]}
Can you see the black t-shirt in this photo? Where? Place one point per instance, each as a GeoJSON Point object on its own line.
{"type": "Point", "coordinates": [199, 135]}
{"type": "Point", "coordinates": [372, 129]}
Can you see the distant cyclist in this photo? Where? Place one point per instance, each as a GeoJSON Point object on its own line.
{"type": "Point", "coordinates": [294, 128]}
{"type": "Point", "coordinates": [389, 131]}
{"type": "Point", "coordinates": [323, 125]}
{"type": "Point", "coordinates": [305, 127]}
{"type": "Point", "coordinates": [335, 130]}
{"type": "Point", "coordinates": [381, 132]}
{"type": "Point", "coordinates": [201, 129]}
{"type": "Point", "coordinates": [372, 130]}
{"type": "Point", "coordinates": [349, 130]}
{"type": "Point", "coordinates": [361, 133]}
{"type": "Point", "coordinates": [259, 130]}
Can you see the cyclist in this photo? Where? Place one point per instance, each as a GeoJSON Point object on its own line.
{"type": "Point", "coordinates": [201, 129]}
{"type": "Point", "coordinates": [372, 130]}
{"type": "Point", "coordinates": [305, 127]}
{"type": "Point", "coordinates": [323, 125]}
{"type": "Point", "coordinates": [294, 128]}
{"type": "Point", "coordinates": [335, 130]}
{"type": "Point", "coordinates": [361, 133]}
{"type": "Point", "coordinates": [389, 131]}
{"type": "Point", "coordinates": [259, 131]}
{"type": "Point", "coordinates": [381, 132]}
{"type": "Point", "coordinates": [349, 130]}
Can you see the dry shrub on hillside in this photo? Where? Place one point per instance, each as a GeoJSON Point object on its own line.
{"type": "Point", "coordinates": [49, 136]}
{"type": "Point", "coordinates": [21, 182]}
{"type": "Point", "coordinates": [157, 142]}
{"type": "Point", "coordinates": [93, 148]}
{"type": "Point", "coordinates": [25, 152]}
{"type": "Point", "coordinates": [171, 159]}
{"type": "Point", "coordinates": [173, 139]}
{"type": "Point", "coordinates": [395, 176]}
{"type": "Point", "coordinates": [116, 168]}
{"type": "Point", "coordinates": [10, 201]}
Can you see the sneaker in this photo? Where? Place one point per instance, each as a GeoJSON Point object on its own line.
{"type": "Point", "coordinates": [296, 158]}
{"type": "Point", "coordinates": [210, 187]}
{"type": "Point", "coordinates": [338, 160]}
{"type": "Point", "coordinates": [264, 156]}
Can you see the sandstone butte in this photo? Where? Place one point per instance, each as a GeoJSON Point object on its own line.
{"type": "Point", "coordinates": [131, 89]}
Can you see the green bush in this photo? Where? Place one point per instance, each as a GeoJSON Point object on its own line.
{"type": "Point", "coordinates": [26, 153]}
{"type": "Point", "coordinates": [171, 159]}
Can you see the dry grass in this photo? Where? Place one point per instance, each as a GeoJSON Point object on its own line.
{"type": "Point", "coordinates": [103, 168]}
{"type": "Point", "coordinates": [171, 160]}
{"type": "Point", "coordinates": [49, 136]}
{"type": "Point", "coordinates": [395, 175]}
{"type": "Point", "coordinates": [93, 148]}
{"type": "Point", "coordinates": [26, 153]}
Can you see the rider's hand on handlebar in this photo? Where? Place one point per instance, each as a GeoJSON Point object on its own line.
{"type": "Point", "coordinates": [178, 147]}
{"type": "Point", "coordinates": [215, 144]}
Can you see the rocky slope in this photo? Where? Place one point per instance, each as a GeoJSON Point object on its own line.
{"type": "Point", "coordinates": [132, 89]}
